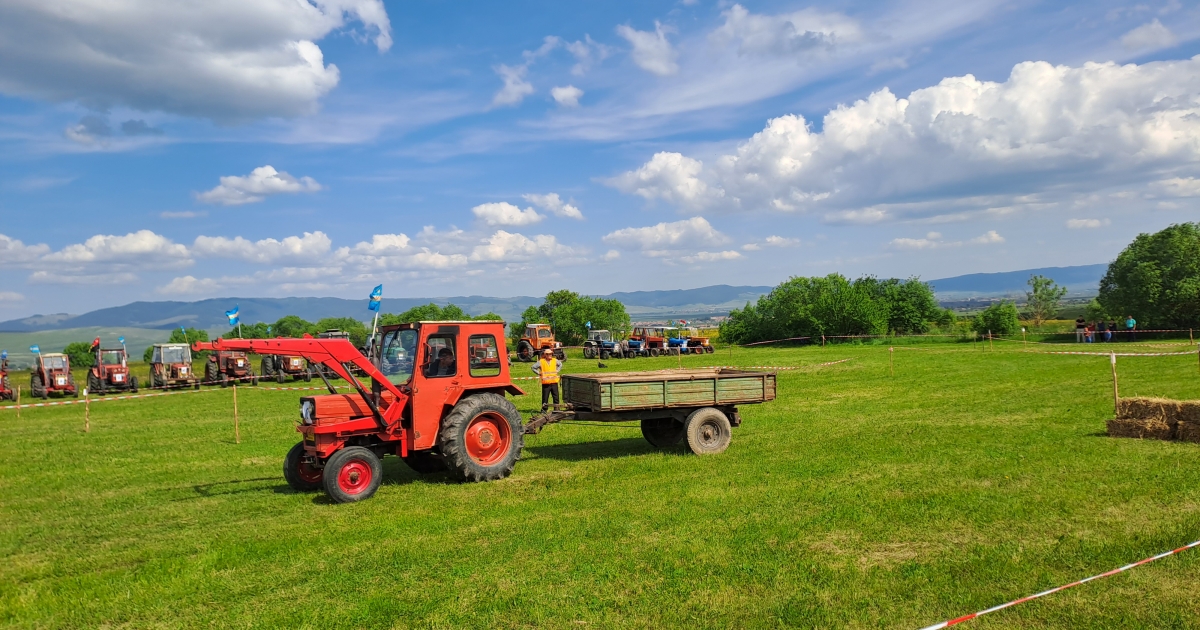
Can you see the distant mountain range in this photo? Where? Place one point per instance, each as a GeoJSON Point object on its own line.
{"type": "Point", "coordinates": [717, 299]}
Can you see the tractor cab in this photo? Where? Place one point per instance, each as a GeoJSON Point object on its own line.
{"type": "Point", "coordinates": [695, 343]}
{"type": "Point", "coordinates": [652, 340]}
{"type": "Point", "coordinates": [171, 366]}
{"type": "Point", "coordinates": [52, 373]}
{"type": "Point", "coordinates": [600, 344]}
{"type": "Point", "coordinates": [111, 371]}
{"type": "Point", "coordinates": [538, 337]}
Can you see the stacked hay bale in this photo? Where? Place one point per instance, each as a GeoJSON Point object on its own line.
{"type": "Point", "coordinates": [1156, 419]}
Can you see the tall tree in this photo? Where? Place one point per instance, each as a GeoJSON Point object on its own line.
{"type": "Point", "coordinates": [292, 326]}
{"type": "Point", "coordinates": [1157, 279]}
{"type": "Point", "coordinates": [1043, 299]}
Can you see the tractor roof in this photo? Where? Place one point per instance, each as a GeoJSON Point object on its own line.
{"type": "Point", "coordinates": [47, 355]}
{"type": "Point", "coordinates": [173, 345]}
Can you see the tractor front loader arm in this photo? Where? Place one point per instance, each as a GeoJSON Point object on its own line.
{"type": "Point", "coordinates": [330, 353]}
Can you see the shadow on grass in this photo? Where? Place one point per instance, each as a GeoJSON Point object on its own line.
{"type": "Point", "coordinates": [623, 447]}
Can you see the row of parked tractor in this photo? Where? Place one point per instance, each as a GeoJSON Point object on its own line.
{"type": "Point", "coordinates": [643, 341]}
{"type": "Point", "coordinates": [170, 368]}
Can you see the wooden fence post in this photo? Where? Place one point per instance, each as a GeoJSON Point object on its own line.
{"type": "Point", "coordinates": [892, 361]}
{"type": "Point", "coordinates": [237, 435]}
{"type": "Point", "coordinates": [1116, 392]}
{"type": "Point", "coordinates": [18, 402]}
{"type": "Point", "coordinates": [989, 339]}
{"type": "Point", "coordinates": [87, 411]}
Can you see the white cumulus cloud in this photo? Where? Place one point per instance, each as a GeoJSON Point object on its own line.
{"type": "Point", "coordinates": [1081, 224]}
{"type": "Point", "coordinates": [554, 204]}
{"type": "Point", "coordinates": [135, 247]}
{"type": "Point", "coordinates": [14, 251]}
{"type": "Point", "coordinates": [504, 213]}
{"type": "Point", "coordinates": [505, 246]}
{"type": "Point", "coordinates": [1150, 36]}
{"type": "Point", "coordinates": [652, 51]}
{"type": "Point", "coordinates": [310, 247]}
{"type": "Point", "coordinates": [567, 95]}
{"type": "Point", "coordinates": [221, 59]}
{"type": "Point", "coordinates": [257, 186]}
{"type": "Point", "coordinates": [702, 257]}
{"type": "Point", "coordinates": [801, 32]}
{"type": "Point", "coordinates": [655, 240]}
{"type": "Point", "coordinates": [1045, 127]}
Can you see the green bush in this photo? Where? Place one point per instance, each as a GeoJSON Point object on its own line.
{"type": "Point", "coordinates": [1156, 279]}
{"type": "Point", "coordinates": [568, 314]}
{"type": "Point", "coordinates": [1001, 318]}
{"type": "Point", "coordinates": [80, 354]}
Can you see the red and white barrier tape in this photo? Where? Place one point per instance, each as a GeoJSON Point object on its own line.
{"type": "Point", "coordinates": [1123, 354]}
{"type": "Point", "coordinates": [958, 620]}
{"type": "Point", "coordinates": [79, 401]}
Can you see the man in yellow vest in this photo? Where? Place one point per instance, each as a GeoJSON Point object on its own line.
{"type": "Point", "coordinates": [548, 369]}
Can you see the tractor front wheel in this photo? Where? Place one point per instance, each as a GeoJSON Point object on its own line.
{"type": "Point", "coordinates": [352, 474]}
{"type": "Point", "coordinates": [300, 475]}
{"type": "Point", "coordinates": [663, 432]}
{"type": "Point", "coordinates": [133, 384]}
{"type": "Point", "coordinates": [708, 431]}
{"type": "Point", "coordinates": [71, 383]}
{"type": "Point", "coordinates": [307, 374]}
{"type": "Point", "coordinates": [280, 377]}
{"type": "Point", "coordinates": [482, 437]}
{"type": "Point", "coordinates": [589, 352]}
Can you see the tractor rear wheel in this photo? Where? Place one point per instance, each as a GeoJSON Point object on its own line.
{"type": "Point", "coordinates": [605, 355]}
{"type": "Point", "coordinates": [36, 387]}
{"type": "Point", "coordinates": [708, 349]}
{"type": "Point", "coordinates": [482, 437]}
{"type": "Point", "coordinates": [525, 351]}
{"type": "Point", "coordinates": [210, 375]}
{"type": "Point", "coordinates": [94, 386]}
{"type": "Point", "coordinates": [589, 352]}
{"type": "Point", "coordinates": [425, 462]}
{"type": "Point", "coordinates": [560, 354]}
{"type": "Point", "coordinates": [352, 474]}
{"type": "Point", "coordinates": [266, 367]}
{"type": "Point", "coordinates": [133, 384]}
{"type": "Point", "coordinates": [663, 432]}
{"type": "Point", "coordinates": [300, 475]}
{"type": "Point", "coordinates": [708, 431]}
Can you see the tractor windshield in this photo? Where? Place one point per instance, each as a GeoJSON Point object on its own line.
{"type": "Point", "coordinates": [396, 355]}
{"type": "Point", "coordinates": [110, 357]}
{"type": "Point", "coordinates": [176, 354]}
{"type": "Point", "coordinates": [601, 335]}
{"type": "Point", "coordinates": [54, 363]}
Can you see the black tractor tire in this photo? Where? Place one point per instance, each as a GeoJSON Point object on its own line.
{"type": "Point", "coordinates": [589, 352]}
{"type": "Point", "coordinates": [307, 374]}
{"type": "Point", "coordinates": [94, 386]}
{"type": "Point", "coordinates": [210, 373]}
{"type": "Point", "coordinates": [605, 355]}
{"type": "Point", "coordinates": [133, 384]}
{"type": "Point", "coordinates": [525, 351]}
{"type": "Point", "coordinates": [253, 379]}
{"type": "Point", "coordinates": [266, 367]}
{"type": "Point", "coordinates": [36, 387]}
{"type": "Point", "coordinates": [663, 432]}
{"type": "Point", "coordinates": [224, 380]}
{"type": "Point", "coordinates": [560, 354]}
{"type": "Point", "coordinates": [71, 384]}
{"type": "Point", "coordinates": [654, 352]}
{"type": "Point", "coordinates": [300, 476]}
{"type": "Point", "coordinates": [195, 385]}
{"type": "Point", "coordinates": [708, 431]}
{"type": "Point", "coordinates": [280, 377]}
{"type": "Point", "coordinates": [425, 462]}
{"type": "Point", "coordinates": [352, 474]}
{"type": "Point", "coordinates": [475, 424]}
{"type": "Point", "coordinates": [708, 349]}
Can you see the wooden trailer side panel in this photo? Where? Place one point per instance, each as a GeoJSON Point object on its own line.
{"type": "Point", "coordinates": [622, 392]}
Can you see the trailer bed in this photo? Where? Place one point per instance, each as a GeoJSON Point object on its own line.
{"type": "Point", "coordinates": [667, 389]}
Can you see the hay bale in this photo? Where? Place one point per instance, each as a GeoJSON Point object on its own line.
{"type": "Point", "coordinates": [1188, 432]}
{"type": "Point", "coordinates": [1153, 429]}
{"type": "Point", "coordinates": [1143, 408]}
{"type": "Point", "coordinates": [1189, 411]}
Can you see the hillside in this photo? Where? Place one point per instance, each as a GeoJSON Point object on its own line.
{"type": "Point", "coordinates": [1079, 280]}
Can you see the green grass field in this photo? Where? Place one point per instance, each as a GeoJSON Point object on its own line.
{"type": "Point", "coordinates": [856, 500]}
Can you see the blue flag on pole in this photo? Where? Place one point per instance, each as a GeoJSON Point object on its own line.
{"type": "Point", "coordinates": [3, 354]}
{"type": "Point", "coordinates": [233, 316]}
{"type": "Point", "coordinates": [121, 340]}
{"type": "Point", "coordinates": [35, 349]}
{"type": "Point", "coordinates": [376, 298]}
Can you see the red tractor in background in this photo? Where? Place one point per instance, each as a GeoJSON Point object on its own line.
{"type": "Point", "coordinates": [650, 340]}
{"type": "Point", "coordinates": [52, 373]}
{"type": "Point", "coordinates": [537, 338]}
{"type": "Point", "coordinates": [110, 370]}
{"type": "Point", "coordinates": [436, 399]}
{"type": "Point", "coordinates": [171, 366]}
{"type": "Point", "coordinates": [6, 390]}
{"type": "Point", "coordinates": [226, 366]}
{"type": "Point", "coordinates": [282, 366]}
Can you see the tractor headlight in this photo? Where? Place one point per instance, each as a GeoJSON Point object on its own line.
{"type": "Point", "coordinates": [306, 411]}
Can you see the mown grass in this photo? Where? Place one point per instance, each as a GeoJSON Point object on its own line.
{"type": "Point", "coordinates": [856, 499]}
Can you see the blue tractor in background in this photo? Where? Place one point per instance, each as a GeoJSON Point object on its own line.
{"type": "Point", "coordinates": [601, 345]}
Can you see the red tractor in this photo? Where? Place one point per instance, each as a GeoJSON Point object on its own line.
{"type": "Point", "coordinates": [6, 390]}
{"type": "Point", "coordinates": [111, 371]}
{"type": "Point", "coordinates": [436, 399]}
{"type": "Point", "coordinates": [52, 373]}
{"type": "Point", "coordinates": [228, 366]}
{"type": "Point", "coordinates": [281, 366]}
{"type": "Point", "coordinates": [171, 366]}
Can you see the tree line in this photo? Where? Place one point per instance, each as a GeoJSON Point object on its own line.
{"type": "Point", "coordinates": [569, 313]}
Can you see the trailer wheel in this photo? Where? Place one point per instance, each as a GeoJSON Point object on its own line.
{"type": "Point", "coordinates": [352, 474]}
{"type": "Point", "coordinates": [662, 432]}
{"type": "Point", "coordinates": [301, 476]}
{"type": "Point", "coordinates": [425, 462]}
{"type": "Point", "coordinates": [708, 431]}
{"type": "Point", "coordinates": [482, 437]}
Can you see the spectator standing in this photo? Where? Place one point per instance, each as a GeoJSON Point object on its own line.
{"type": "Point", "coordinates": [1112, 325]}
{"type": "Point", "coordinates": [1089, 333]}
{"type": "Point", "coordinates": [1131, 327]}
{"type": "Point", "coordinates": [1080, 328]}
{"type": "Point", "coordinates": [1102, 329]}
{"type": "Point", "coordinates": [548, 368]}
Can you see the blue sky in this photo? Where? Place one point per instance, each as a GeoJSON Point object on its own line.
{"type": "Point", "coordinates": [182, 151]}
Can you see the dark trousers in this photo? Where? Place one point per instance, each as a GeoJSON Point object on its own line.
{"type": "Point", "coordinates": [1132, 335]}
{"type": "Point", "coordinates": [548, 390]}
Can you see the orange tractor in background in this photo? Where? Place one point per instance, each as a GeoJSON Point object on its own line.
{"type": "Point", "coordinates": [110, 370]}
{"type": "Point", "coordinates": [435, 398]}
{"type": "Point", "coordinates": [537, 338]}
{"type": "Point", "coordinates": [171, 366]}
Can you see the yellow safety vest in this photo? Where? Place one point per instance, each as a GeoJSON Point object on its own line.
{"type": "Point", "coordinates": [548, 370]}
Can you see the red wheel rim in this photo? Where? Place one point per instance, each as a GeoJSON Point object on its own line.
{"type": "Point", "coordinates": [354, 477]}
{"type": "Point", "coordinates": [309, 473]}
{"type": "Point", "coordinates": [488, 438]}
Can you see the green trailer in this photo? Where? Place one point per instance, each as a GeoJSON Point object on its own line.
{"type": "Point", "coordinates": [696, 405]}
